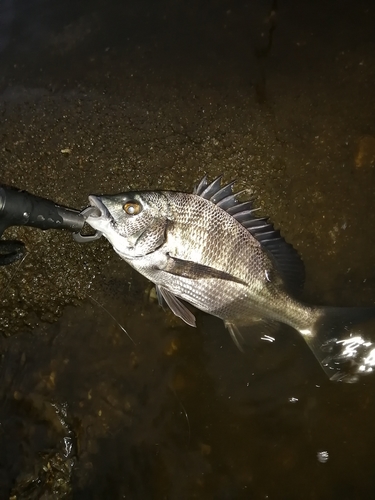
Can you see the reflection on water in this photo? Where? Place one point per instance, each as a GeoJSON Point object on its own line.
{"type": "Point", "coordinates": [181, 413]}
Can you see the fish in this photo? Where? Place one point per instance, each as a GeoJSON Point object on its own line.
{"type": "Point", "coordinates": [212, 250]}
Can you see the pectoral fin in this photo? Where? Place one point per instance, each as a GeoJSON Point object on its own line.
{"type": "Point", "coordinates": [194, 270]}
{"type": "Point", "coordinates": [176, 306]}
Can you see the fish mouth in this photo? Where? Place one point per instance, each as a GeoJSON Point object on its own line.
{"type": "Point", "coordinates": [97, 209]}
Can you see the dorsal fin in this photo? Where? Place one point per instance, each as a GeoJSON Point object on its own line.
{"type": "Point", "coordinates": [286, 259]}
{"type": "Point", "coordinates": [199, 188]}
{"type": "Point", "coordinates": [210, 189]}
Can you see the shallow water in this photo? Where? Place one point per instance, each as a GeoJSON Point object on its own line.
{"type": "Point", "coordinates": [151, 96]}
{"type": "Point", "coordinates": [179, 413]}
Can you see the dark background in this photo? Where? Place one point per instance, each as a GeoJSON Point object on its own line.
{"type": "Point", "coordinates": [100, 97]}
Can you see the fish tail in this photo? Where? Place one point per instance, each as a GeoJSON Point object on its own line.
{"type": "Point", "coordinates": [343, 341]}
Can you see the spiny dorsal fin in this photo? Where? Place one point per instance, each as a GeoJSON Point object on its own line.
{"type": "Point", "coordinates": [286, 258]}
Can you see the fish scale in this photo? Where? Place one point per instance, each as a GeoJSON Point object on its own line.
{"type": "Point", "coordinates": [242, 257]}
{"type": "Point", "coordinates": [212, 251]}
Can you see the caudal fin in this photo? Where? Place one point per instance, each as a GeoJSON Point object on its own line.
{"type": "Point", "coordinates": [343, 341]}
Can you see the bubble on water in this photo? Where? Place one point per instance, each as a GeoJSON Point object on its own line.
{"type": "Point", "coordinates": [322, 456]}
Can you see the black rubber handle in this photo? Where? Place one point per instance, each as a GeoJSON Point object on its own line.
{"type": "Point", "coordinates": [10, 251]}
{"type": "Point", "coordinates": [20, 208]}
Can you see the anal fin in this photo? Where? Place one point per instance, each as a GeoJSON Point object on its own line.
{"type": "Point", "coordinates": [257, 328]}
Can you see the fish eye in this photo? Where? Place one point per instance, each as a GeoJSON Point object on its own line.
{"type": "Point", "coordinates": [132, 207]}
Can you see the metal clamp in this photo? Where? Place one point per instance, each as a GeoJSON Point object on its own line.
{"type": "Point", "coordinates": [87, 238]}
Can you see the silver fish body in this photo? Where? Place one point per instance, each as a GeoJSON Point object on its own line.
{"type": "Point", "coordinates": [212, 251]}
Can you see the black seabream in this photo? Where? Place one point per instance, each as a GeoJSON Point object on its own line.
{"type": "Point", "coordinates": [212, 250]}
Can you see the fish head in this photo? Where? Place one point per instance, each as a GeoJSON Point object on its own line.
{"type": "Point", "coordinates": [134, 223]}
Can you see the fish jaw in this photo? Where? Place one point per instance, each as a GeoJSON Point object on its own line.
{"type": "Point", "coordinates": [102, 221]}
{"type": "Point", "coordinates": [99, 219]}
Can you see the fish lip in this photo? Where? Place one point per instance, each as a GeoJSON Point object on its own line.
{"type": "Point", "coordinates": [102, 210]}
